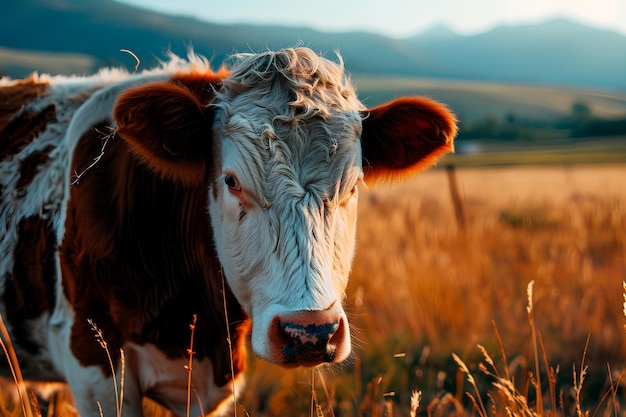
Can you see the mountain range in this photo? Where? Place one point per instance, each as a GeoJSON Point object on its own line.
{"type": "Point", "coordinates": [79, 36]}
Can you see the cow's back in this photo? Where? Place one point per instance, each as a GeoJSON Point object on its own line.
{"type": "Point", "coordinates": [39, 118]}
{"type": "Point", "coordinates": [34, 117]}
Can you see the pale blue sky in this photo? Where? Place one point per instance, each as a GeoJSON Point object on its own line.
{"type": "Point", "coordinates": [397, 18]}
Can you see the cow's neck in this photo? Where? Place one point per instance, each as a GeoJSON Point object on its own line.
{"type": "Point", "coordinates": [156, 236]}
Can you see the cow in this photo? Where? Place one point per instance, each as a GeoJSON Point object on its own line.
{"type": "Point", "coordinates": [133, 202]}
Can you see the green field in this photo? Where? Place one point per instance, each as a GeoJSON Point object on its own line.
{"type": "Point", "coordinates": [542, 107]}
{"type": "Point", "coordinates": [473, 100]}
{"type": "Point", "coordinates": [606, 150]}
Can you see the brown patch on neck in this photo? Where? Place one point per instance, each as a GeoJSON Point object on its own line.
{"type": "Point", "coordinates": [29, 166]}
{"type": "Point", "coordinates": [18, 127]}
{"type": "Point", "coordinates": [138, 258]}
{"type": "Point", "coordinates": [30, 290]}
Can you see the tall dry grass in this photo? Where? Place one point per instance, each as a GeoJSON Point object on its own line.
{"type": "Point", "coordinates": [423, 289]}
{"type": "Point", "coordinates": [564, 228]}
{"type": "Point", "coordinates": [450, 284]}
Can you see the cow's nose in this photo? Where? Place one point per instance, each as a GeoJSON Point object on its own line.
{"type": "Point", "coordinates": [309, 338]}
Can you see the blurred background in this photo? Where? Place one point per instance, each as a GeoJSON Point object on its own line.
{"type": "Point", "coordinates": [535, 73]}
{"type": "Point", "coordinates": [535, 192]}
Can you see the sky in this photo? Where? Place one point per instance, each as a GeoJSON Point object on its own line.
{"type": "Point", "coordinates": [397, 18]}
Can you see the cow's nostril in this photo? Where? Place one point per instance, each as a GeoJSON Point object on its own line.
{"type": "Point", "coordinates": [339, 334]}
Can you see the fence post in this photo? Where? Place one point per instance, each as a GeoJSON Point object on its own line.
{"type": "Point", "coordinates": [457, 202]}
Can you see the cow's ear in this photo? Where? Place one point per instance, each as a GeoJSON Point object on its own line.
{"type": "Point", "coordinates": [404, 136]}
{"type": "Point", "coordinates": [168, 129]}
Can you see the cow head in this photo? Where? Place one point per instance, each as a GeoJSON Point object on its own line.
{"type": "Point", "coordinates": [283, 146]}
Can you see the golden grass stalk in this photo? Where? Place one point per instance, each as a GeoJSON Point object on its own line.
{"type": "Point", "coordinates": [552, 373]}
{"type": "Point", "coordinates": [16, 372]}
{"type": "Point", "coordinates": [416, 398]}
{"type": "Point", "coordinates": [131, 53]}
{"type": "Point", "coordinates": [516, 403]}
{"type": "Point", "coordinates": [189, 366]}
{"type": "Point", "coordinates": [624, 283]}
{"type": "Point", "coordinates": [35, 403]}
{"type": "Point", "coordinates": [533, 330]}
{"type": "Point", "coordinates": [611, 392]}
{"type": "Point", "coordinates": [119, 392]}
{"type": "Point", "coordinates": [230, 346]}
{"type": "Point", "coordinates": [325, 388]}
{"type": "Point", "coordinates": [505, 363]}
{"type": "Point", "coordinates": [316, 409]}
{"type": "Point", "coordinates": [312, 406]}
{"type": "Point", "coordinates": [489, 361]}
{"type": "Point", "coordinates": [578, 382]}
{"type": "Point", "coordinates": [478, 402]}
{"type": "Point", "coordinates": [122, 376]}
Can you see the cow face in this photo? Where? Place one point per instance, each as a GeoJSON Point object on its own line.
{"type": "Point", "coordinates": [283, 204]}
{"type": "Point", "coordinates": [284, 219]}
{"type": "Point", "coordinates": [290, 144]}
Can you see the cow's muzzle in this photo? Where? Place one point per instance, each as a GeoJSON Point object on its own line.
{"type": "Point", "coordinates": [309, 338]}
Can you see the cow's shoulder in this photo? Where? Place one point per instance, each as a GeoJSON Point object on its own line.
{"type": "Point", "coordinates": [137, 252]}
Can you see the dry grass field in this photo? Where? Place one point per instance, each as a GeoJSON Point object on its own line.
{"type": "Point", "coordinates": [428, 284]}
{"type": "Point", "coordinates": [424, 287]}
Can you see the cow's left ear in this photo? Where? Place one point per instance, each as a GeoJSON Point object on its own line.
{"type": "Point", "coordinates": [168, 129]}
{"type": "Point", "coordinates": [404, 136]}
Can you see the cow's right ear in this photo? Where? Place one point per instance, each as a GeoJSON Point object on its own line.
{"type": "Point", "coordinates": [168, 129]}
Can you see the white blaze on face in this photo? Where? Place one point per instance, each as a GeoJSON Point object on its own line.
{"type": "Point", "coordinates": [288, 248]}
{"type": "Point", "coordinates": [284, 216]}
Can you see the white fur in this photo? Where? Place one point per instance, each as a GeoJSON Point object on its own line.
{"type": "Point", "coordinates": [150, 372]}
{"type": "Point", "coordinates": [293, 249]}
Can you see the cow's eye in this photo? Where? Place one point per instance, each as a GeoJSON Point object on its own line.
{"type": "Point", "coordinates": [349, 196]}
{"type": "Point", "coordinates": [231, 181]}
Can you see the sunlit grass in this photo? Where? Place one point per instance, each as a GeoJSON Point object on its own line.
{"type": "Point", "coordinates": [422, 289]}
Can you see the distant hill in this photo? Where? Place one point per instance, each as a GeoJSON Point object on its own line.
{"type": "Point", "coordinates": [555, 52]}
{"type": "Point", "coordinates": [559, 51]}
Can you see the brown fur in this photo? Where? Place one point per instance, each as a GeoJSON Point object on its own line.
{"type": "Point", "coordinates": [138, 255]}
{"type": "Point", "coordinates": [17, 128]}
{"type": "Point", "coordinates": [30, 290]}
{"type": "Point", "coordinates": [30, 165]}
{"type": "Point", "coordinates": [405, 136]}
{"type": "Point", "coordinates": [179, 111]}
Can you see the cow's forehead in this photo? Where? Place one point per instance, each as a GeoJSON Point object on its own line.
{"type": "Point", "coordinates": [288, 86]}
{"type": "Point", "coordinates": [298, 76]}
{"type": "Point", "coordinates": [295, 120]}
{"type": "Point", "coordinates": [318, 156]}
